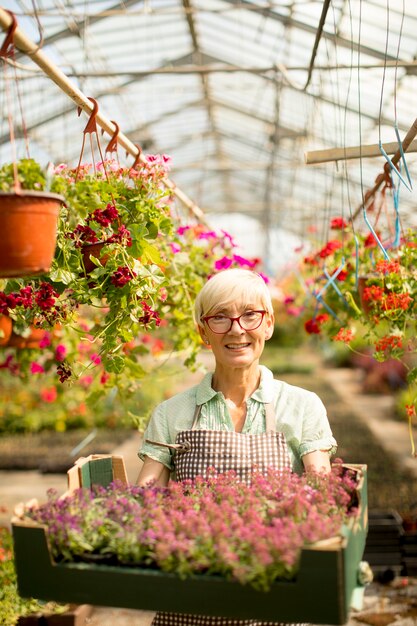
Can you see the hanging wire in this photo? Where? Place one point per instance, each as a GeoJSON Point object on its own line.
{"type": "Point", "coordinates": [368, 223]}
{"type": "Point", "coordinates": [10, 53]}
{"type": "Point", "coordinates": [345, 166]}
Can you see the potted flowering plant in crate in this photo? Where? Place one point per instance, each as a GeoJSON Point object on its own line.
{"type": "Point", "coordinates": [27, 208]}
{"type": "Point", "coordinates": [286, 545]}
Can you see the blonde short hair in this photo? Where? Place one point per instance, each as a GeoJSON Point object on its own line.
{"type": "Point", "coordinates": [227, 287]}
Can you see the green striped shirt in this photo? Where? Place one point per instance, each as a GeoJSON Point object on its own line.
{"type": "Point", "coordinates": [300, 415]}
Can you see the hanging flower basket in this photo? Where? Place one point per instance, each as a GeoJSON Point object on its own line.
{"type": "Point", "coordinates": [28, 224]}
{"type": "Point", "coordinates": [93, 249]}
{"type": "Point", "coordinates": [6, 325]}
{"type": "Point", "coordinates": [33, 339]}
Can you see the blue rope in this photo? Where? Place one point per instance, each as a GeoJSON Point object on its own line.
{"type": "Point", "coordinates": [393, 168]}
{"type": "Point", "coordinates": [369, 225]}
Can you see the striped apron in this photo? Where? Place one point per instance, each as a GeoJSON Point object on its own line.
{"type": "Point", "coordinates": [196, 451]}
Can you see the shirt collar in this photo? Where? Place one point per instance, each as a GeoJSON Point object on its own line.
{"type": "Point", "coordinates": [264, 393]}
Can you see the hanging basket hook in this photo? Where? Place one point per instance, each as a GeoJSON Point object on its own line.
{"type": "Point", "coordinates": [112, 145]}
{"type": "Point", "coordinates": [91, 126]}
{"type": "Point", "coordinates": [136, 162]}
{"type": "Point", "coordinates": [8, 42]}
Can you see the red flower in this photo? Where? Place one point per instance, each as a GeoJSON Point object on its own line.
{"type": "Point", "coordinates": [338, 223]}
{"type": "Point", "coordinates": [104, 217]}
{"type": "Point", "coordinates": [389, 342]}
{"type": "Point", "coordinates": [122, 276]}
{"type": "Point", "coordinates": [122, 236]}
{"type": "Point", "coordinates": [26, 297]}
{"type": "Point", "coordinates": [344, 334]}
{"type": "Point", "coordinates": [397, 301]}
{"type": "Point", "coordinates": [310, 260]}
{"type": "Point", "coordinates": [411, 410]}
{"type": "Point", "coordinates": [64, 372]}
{"type": "Point", "coordinates": [342, 275]}
{"type": "Point", "coordinates": [313, 326]}
{"type": "Point", "coordinates": [149, 315]}
{"type": "Point", "coordinates": [45, 296]}
{"type": "Point", "coordinates": [370, 241]}
{"type": "Point", "coordinates": [373, 293]}
{"type": "Point", "coordinates": [387, 267]}
{"type": "Point", "coordinates": [330, 247]}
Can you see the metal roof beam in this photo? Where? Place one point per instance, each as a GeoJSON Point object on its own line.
{"type": "Point", "coordinates": [71, 107]}
{"type": "Point", "coordinates": [87, 21]}
{"type": "Point", "coordinates": [331, 36]}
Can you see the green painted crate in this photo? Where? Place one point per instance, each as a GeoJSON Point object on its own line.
{"type": "Point", "coordinates": [321, 593]}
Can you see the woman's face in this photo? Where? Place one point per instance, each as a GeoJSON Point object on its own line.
{"type": "Point", "coordinates": [238, 347]}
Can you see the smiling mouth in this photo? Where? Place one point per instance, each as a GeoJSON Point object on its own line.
{"type": "Point", "coordinates": [237, 346]}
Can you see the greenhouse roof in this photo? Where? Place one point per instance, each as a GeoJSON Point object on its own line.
{"type": "Point", "coordinates": [236, 91]}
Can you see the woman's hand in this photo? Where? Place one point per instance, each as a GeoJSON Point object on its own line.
{"type": "Point", "coordinates": [153, 472]}
{"type": "Point", "coordinates": [318, 461]}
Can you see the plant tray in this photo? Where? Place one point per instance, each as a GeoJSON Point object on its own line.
{"type": "Point", "coordinates": [322, 592]}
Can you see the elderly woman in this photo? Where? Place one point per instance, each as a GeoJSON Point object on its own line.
{"type": "Point", "coordinates": [238, 417]}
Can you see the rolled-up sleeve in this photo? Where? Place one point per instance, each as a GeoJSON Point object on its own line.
{"type": "Point", "coordinates": [157, 430]}
{"type": "Point", "coordinates": [316, 433]}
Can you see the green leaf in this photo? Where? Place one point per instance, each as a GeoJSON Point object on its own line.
{"type": "Point", "coordinates": [153, 230]}
{"type": "Point", "coordinates": [136, 248]}
{"type": "Point", "coordinates": [412, 375]}
{"type": "Point", "coordinates": [114, 364]}
{"type": "Point", "coordinates": [150, 254]}
{"type": "Point", "coordinates": [138, 231]}
{"type": "Point", "coordinates": [62, 276]}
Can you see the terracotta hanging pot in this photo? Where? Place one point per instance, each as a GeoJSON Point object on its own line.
{"type": "Point", "coordinates": [28, 225]}
{"type": "Point", "coordinates": [366, 307]}
{"type": "Point", "coordinates": [93, 249]}
{"type": "Point", "coordinates": [6, 326]}
{"type": "Point", "coordinates": [33, 340]}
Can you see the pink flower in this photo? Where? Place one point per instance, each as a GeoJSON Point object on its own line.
{"type": "Point", "coordinates": [223, 264]}
{"type": "Point", "coordinates": [183, 229]}
{"type": "Point", "coordinates": [228, 238]}
{"type": "Point", "coordinates": [36, 368]}
{"type": "Point", "coordinates": [240, 260]}
{"type": "Point", "coordinates": [163, 294]}
{"type": "Point", "coordinates": [86, 381]}
{"type": "Point", "coordinates": [175, 248]}
{"type": "Point", "coordinates": [264, 277]}
{"type": "Point", "coordinates": [45, 342]}
{"type": "Point", "coordinates": [58, 168]}
{"type": "Point", "coordinates": [96, 359]}
{"type": "Point", "coordinates": [60, 352]}
{"type": "Point", "coordinates": [295, 310]}
{"type": "Point", "coordinates": [208, 234]}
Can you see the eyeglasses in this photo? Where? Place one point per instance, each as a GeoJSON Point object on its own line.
{"type": "Point", "coordinates": [221, 324]}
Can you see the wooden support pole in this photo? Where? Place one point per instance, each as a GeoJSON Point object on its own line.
{"type": "Point", "coordinates": [355, 152]}
{"type": "Point", "coordinates": [24, 44]}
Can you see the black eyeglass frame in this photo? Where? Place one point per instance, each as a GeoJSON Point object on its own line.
{"type": "Point", "coordinates": [233, 319]}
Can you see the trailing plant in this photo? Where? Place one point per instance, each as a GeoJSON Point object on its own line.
{"type": "Point", "coordinates": [141, 282]}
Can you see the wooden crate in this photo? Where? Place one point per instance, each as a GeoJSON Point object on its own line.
{"type": "Point", "coordinates": [321, 593]}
